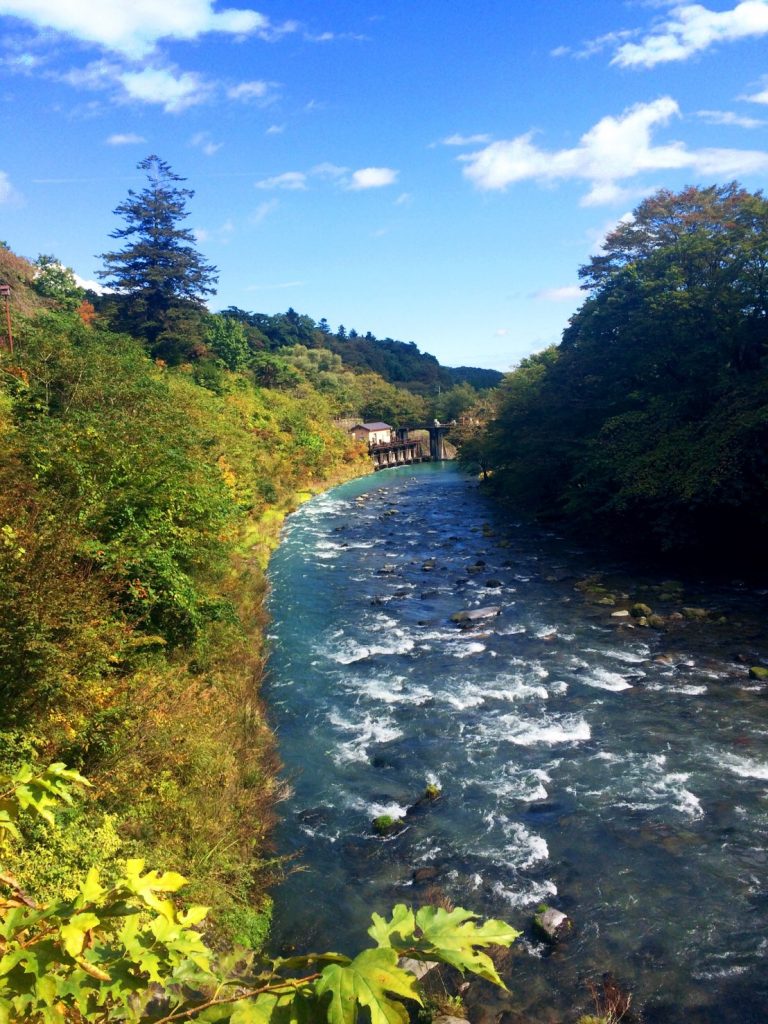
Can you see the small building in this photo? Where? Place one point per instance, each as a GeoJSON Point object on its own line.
{"type": "Point", "coordinates": [373, 433]}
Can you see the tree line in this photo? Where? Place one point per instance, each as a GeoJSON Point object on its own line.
{"type": "Point", "coordinates": [649, 421]}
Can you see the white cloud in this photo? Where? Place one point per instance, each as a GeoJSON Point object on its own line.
{"type": "Point", "coordinates": [465, 140]}
{"type": "Point", "coordinates": [275, 129]}
{"type": "Point", "coordinates": [125, 139]}
{"type": "Point", "coordinates": [203, 141]}
{"type": "Point", "coordinates": [172, 91]}
{"type": "Point", "coordinates": [691, 29]}
{"type": "Point", "coordinates": [272, 287]}
{"type": "Point", "coordinates": [299, 181]}
{"type": "Point", "coordinates": [93, 286]}
{"type": "Point", "coordinates": [262, 211]}
{"type": "Point", "coordinates": [222, 234]}
{"type": "Point", "coordinates": [404, 199]}
{"type": "Point", "coordinates": [502, 332]}
{"type": "Point", "coordinates": [567, 293]}
{"type": "Point", "coordinates": [8, 193]}
{"type": "Point", "coordinates": [372, 177]}
{"type": "Point", "coordinates": [248, 92]}
{"type": "Point", "coordinates": [728, 117]}
{"type": "Point", "coordinates": [292, 181]}
{"type": "Point", "coordinates": [757, 97]}
{"type": "Point", "coordinates": [614, 150]}
{"type": "Point", "coordinates": [134, 27]}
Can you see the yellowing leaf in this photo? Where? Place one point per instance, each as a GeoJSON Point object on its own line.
{"type": "Point", "coordinates": [452, 937]}
{"type": "Point", "coordinates": [91, 889]}
{"type": "Point", "coordinates": [397, 930]}
{"type": "Point", "coordinates": [366, 982]}
{"type": "Point", "coordinates": [73, 933]}
{"type": "Point", "coordinates": [193, 916]}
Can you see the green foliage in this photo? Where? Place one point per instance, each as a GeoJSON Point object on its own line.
{"type": "Point", "coordinates": [160, 277]}
{"type": "Point", "coordinates": [650, 420]}
{"type": "Point", "coordinates": [55, 281]}
{"type": "Point", "coordinates": [98, 955]}
{"type": "Point", "coordinates": [137, 510]}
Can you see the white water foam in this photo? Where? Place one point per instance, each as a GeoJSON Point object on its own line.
{"type": "Point", "coordinates": [602, 679]}
{"type": "Point", "coordinates": [367, 732]}
{"type": "Point", "coordinates": [745, 767]}
{"type": "Point", "coordinates": [525, 733]}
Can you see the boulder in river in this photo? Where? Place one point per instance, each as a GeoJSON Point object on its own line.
{"type": "Point", "coordinates": [552, 924]}
{"type": "Point", "coordinates": [695, 613]}
{"type": "Point", "coordinates": [758, 672]}
{"type": "Point", "coordinates": [386, 825]}
{"type": "Point", "coordinates": [621, 614]}
{"type": "Point", "coordinates": [640, 610]}
{"type": "Point", "coordinates": [471, 615]}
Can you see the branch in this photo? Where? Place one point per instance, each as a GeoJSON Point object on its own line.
{"type": "Point", "coordinates": [290, 984]}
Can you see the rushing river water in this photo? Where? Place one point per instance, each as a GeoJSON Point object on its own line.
{"type": "Point", "coordinates": [576, 768]}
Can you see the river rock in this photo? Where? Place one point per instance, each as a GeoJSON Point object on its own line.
{"type": "Point", "coordinates": [695, 613]}
{"type": "Point", "coordinates": [622, 614]}
{"type": "Point", "coordinates": [758, 672]}
{"type": "Point", "coordinates": [657, 621]}
{"type": "Point", "coordinates": [425, 874]}
{"type": "Point", "coordinates": [492, 584]}
{"type": "Point", "coordinates": [552, 924]}
{"type": "Point", "coordinates": [640, 610]}
{"type": "Point", "coordinates": [471, 615]}
{"type": "Point", "coordinates": [386, 825]}
{"type": "Point", "coordinates": [419, 969]}
{"type": "Point", "coordinates": [429, 565]}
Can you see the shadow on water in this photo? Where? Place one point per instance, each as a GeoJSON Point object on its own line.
{"type": "Point", "coordinates": [617, 771]}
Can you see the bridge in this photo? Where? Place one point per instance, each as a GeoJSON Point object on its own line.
{"type": "Point", "coordinates": [406, 449]}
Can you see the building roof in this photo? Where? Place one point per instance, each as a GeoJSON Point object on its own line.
{"type": "Point", "coordinates": [372, 426]}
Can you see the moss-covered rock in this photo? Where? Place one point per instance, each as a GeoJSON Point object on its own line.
{"type": "Point", "coordinates": [640, 610]}
{"type": "Point", "coordinates": [387, 825]}
{"type": "Point", "coordinates": [695, 613]}
{"type": "Point", "coordinates": [758, 672]}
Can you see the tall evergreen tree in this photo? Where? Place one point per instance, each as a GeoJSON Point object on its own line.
{"type": "Point", "coordinates": [160, 278]}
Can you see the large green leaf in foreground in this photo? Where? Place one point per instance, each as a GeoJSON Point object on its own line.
{"type": "Point", "coordinates": [366, 982]}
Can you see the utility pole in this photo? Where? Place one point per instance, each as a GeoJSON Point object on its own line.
{"type": "Point", "coordinates": [5, 291]}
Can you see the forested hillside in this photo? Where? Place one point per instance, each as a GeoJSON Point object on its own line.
{"type": "Point", "coordinates": [139, 499]}
{"type": "Point", "coordinates": [398, 362]}
{"type": "Point", "coordinates": [649, 421]}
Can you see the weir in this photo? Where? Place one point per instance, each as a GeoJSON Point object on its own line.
{"type": "Point", "coordinates": [404, 449]}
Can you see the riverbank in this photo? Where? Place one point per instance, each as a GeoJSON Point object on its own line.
{"type": "Point", "coordinates": [612, 769]}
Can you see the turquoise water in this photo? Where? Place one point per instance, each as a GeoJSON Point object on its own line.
{"type": "Point", "coordinates": [575, 769]}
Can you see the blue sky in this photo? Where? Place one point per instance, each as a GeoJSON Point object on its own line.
{"type": "Point", "coordinates": [429, 170]}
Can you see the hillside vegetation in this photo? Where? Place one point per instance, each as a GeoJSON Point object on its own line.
{"type": "Point", "coordinates": [138, 505]}
{"type": "Point", "coordinates": [649, 422]}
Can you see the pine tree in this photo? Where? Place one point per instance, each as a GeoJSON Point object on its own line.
{"type": "Point", "coordinates": [160, 278]}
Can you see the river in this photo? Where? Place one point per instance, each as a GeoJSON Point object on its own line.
{"type": "Point", "coordinates": [617, 773]}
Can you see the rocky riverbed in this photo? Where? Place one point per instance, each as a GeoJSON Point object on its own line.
{"type": "Point", "coordinates": [596, 734]}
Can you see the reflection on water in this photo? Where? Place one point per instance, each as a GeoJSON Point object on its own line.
{"type": "Point", "coordinates": [619, 773]}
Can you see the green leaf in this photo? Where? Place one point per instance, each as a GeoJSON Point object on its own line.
{"type": "Point", "coordinates": [452, 937]}
{"type": "Point", "coordinates": [366, 982]}
{"type": "Point", "coordinates": [399, 928]}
